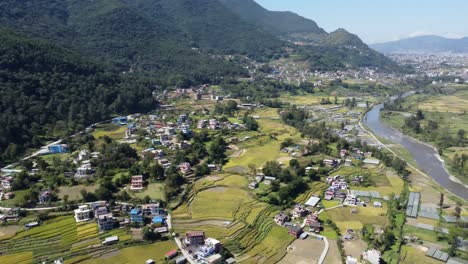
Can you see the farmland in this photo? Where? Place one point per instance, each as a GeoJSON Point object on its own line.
{"type": "Point", "coordinates": [57, 237]}
{"type": "Point", "coordinates": [247, 228]}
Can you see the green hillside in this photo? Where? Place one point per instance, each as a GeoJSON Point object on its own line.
{"type": "Point", "coordinates": [274, 22]}
{"type": "Point", "coordinates": [46, 90]}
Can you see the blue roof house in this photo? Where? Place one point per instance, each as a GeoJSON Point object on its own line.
{"type": "Point", "coordinates": [136, 215]}
{"type": "Point", "coordinates": [55, 149]}
{"type": "Point", "coordinates": [158, 220]}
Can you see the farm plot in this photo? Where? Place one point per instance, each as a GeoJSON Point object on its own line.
{"type": "Point", "coordinates": [248, 230]}
{"type": "Point", "coordinates": [344, 219]}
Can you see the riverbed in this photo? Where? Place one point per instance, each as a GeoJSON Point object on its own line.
{"type": "Point", "coordinates": [425, 156]}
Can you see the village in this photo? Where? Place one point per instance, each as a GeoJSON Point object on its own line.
{"type": "Point", "coordinates": [341, 212]}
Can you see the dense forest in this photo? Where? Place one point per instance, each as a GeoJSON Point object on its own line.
{"type": "Point", "coordinates": [49, 91]}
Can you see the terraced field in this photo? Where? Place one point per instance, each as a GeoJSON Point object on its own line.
{"type": "Point", "coordinates": [243, 224]}
{"type": "Point", "coordinates": [55, 238]}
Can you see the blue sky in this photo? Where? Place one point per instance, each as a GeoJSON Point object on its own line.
{"type": "Point", "coordinates": [382, 20]}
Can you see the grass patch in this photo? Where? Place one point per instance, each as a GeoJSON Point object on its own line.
{"type": "Point", "coordinates": [73, 192]}
{"type": "Point", "coordinates": [137, 254]}
{"type": "Point", "coordinates": [410, 255]}
{"type": "Point", "coordinates": [154, 191]}
{"type": "Point", "coordinates": [19, 258]}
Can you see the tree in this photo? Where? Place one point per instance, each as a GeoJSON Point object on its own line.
{"type": "Point", "coordinates": [217, 149]}
{"type": "Point", "coordinates": [419, 115]}
{"type": "Point", "coordinates": [275, 186]}
{"type": "Point", "coordinates": [441, 202]}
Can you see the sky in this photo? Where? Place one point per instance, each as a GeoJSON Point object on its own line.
{"type": "Point", "coordinates": [382, 20]}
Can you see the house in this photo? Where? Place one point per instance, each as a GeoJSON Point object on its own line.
{"type": "Point", "coordinates": [299, 211]}
{"type": "Point", "coordinates": [158, 220]}
{"type": "Point", "coordinates": [8, 196]}
{"type": "Point", "coordinates": [230, 261]}
{"type": "Point", "coordinates": [348, 237]}
{"type": "Point", "coordinates": [371, 161]}
{"type": "Point", "coordinates": [6, 183]}
{"type": "Point", "coordinates": [44, 197]}
{"type": "Point", "coordinates": [313, 201]}
{"type": "Point", "coordinates": [110, 240]}
{"type": "Point", "coordinates": [171, 254]}
{"type": "Point", "coordinates": [56, 149]}
{"type": "Point", "coordinates": [105, 222]}
{"type": "Point", "coordinates": [31, 225]}
{"type": "Point", "coordinates": [82, 214]}
{"type": "Point", "coordinates": [153, 209]}
{"type": "Point", "coordinates": [185, 168]}
{"type": "Point", "coordinates": [180, 260]}
{"type": "Point", "coordinates": [295, 231]}
{"type": "Point", "coordinates": [136, 215]}
{"type": "Point", "coordinates": [84, 170]}
{"type": "Point", "coordinates": [372, 256]}
{"type": "Point", "coordinates": [253, 185]}
{"type": "Point", "coordinates": [195, 238]}
{"type": "Point", "coordinates": [83, 155]}
{"type": "Point", "coordinates": [100, 210]}
{"type": "Point", "coordinates": [330, 162]}
{"type": "Point", "coordinates": [121, 120]}
{"type": "Point", "coordinates": [137, 183]}
{"type": "Point", "coordinates": [214, 259]}
{"type": "Point", "coordinates": [211, 246]}
{"type": "Point", "coordinates": [351, 260]}
{"type": "Point", "coordinates": [150, 261]}
{"type": "Point", "coordinates": [378, 204]}
{"type": "Point", "coordinates": [281, 218]}
{"type": "Point", "coordinates": [315, 226]}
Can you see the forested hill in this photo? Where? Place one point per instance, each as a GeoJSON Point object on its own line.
{"type": "Point", "coordinates": [130, 35]}
{"type": "Point", "coordinates": [325, 51]}
{"type": "Point", "coordinates": [275, 22]}
{"type": "Point", "coordinates": [210, 25]}
{"type": "Point", "coordinates": [48, 90]}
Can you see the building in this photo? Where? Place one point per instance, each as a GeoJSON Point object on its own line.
{"type": "Point", "coordinates": [136, 215]}
{"type": "Point", "coordinates": [82, 214]}
{"type": "Point", "coordinates": [110, 240]}
{"type": "Point", "coordinates": [313, 201]}
{"type": "Point", "coordinates": [171, 254]}
{"type": "Point", "coordinates": [281, 218]}
{"type": "Point", "coordinates": [295, 231]}
{"type": "Point", "coordinates": [44, 197]}
{"type": "Point", "coordinates": [153, 209]}
{"type": "Point", "coordinates": [158, 220]}
{"type": "Point", "coordinates": [83, 155]}
{"type": "Point", "coordinates": [56, 149]}
{"type": "Point", "coordinates": [214, 259]}
{"type": "Point", "coordinates": [372, 256]}
{"type": "Point", "coordinates": [299, 211]}
{"type": "Point", "coordinates": [185, 168]}
{"type": "Point", "coordinates": [137, 183]}
{"type": "Point", "coordinates": [195, 238]}
{"type": "Point", "coordinates": [105, 222]}
{"type": "Point", "coordinates": [100, 210]}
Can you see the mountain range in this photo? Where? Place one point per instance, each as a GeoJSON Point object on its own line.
{"type": "Point", "coordinates": [67, 63]}
{"type": "Point", "coordinates": [424, 44]}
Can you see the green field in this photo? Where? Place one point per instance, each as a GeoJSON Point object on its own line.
{"type": "Point", "coordinates": [344, 219]}
{"type": "Point", "coordinates": [153, 190]}
{"type": "Point", "coordinates": [137, 254]}
{"type": "Point", "coordinates": [410, 255]}
{"type": "Point", "coordinates": [111, 130]}
{"type": "Point", "coordinates": [73, 192]}
{"type": "Point", "coordinates": [55, 238]}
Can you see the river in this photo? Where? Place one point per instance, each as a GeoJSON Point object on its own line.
{"type": "Point", "coordinates": [426, 157]}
